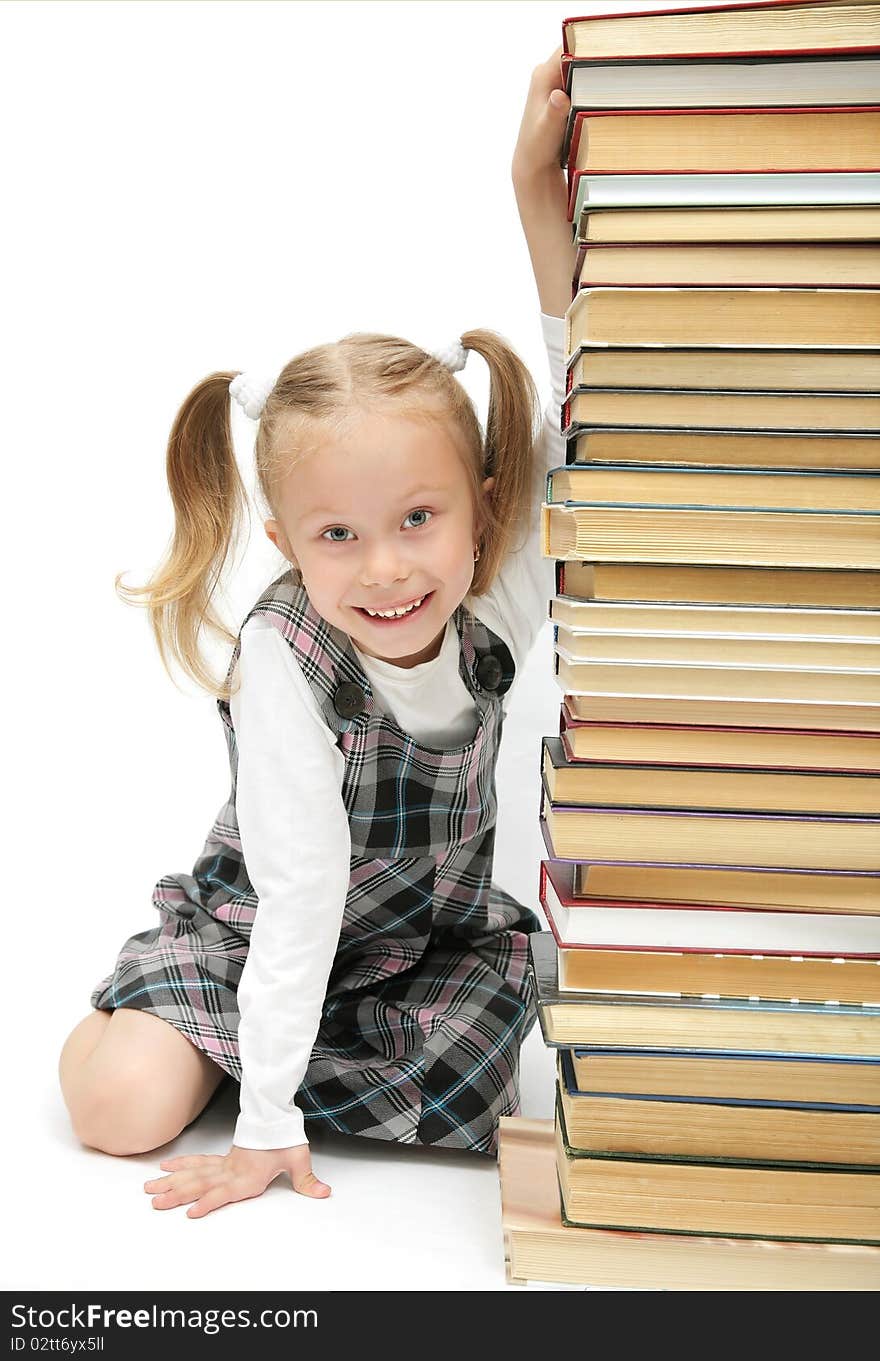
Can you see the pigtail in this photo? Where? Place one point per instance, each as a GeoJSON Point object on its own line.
{"type": "Point", "coordinates": [508, 455]}
{"type": "Point", "coordinates": [209, 500]}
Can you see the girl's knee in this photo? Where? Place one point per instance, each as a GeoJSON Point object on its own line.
{"type": "Point", "coordinates": [140, 1087]}
{"type": "Point", "coordinates": [111, 1123]}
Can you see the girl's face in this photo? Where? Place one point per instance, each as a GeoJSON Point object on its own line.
{"type": "Point", "coordinates": [378, 517]}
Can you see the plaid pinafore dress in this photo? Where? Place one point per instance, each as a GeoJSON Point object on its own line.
{"type": "Point", "coordinates": [429, 997]}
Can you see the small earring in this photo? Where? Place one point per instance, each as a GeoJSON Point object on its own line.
{"type": "Point", "coordinates": [477, 553]}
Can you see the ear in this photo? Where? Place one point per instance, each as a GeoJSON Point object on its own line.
{"type": "Point", "coordinates": [488, 484]}
{"type": "Point", "coordinates": [275, 532]}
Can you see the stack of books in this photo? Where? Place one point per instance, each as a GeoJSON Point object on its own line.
{"type": "Point", "coordinates": [711, 803]}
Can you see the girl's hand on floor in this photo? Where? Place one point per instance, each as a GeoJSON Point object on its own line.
{"type": "Point", "coordinates": [208, 1181]}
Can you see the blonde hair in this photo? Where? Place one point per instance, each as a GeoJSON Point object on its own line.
{"type": "Point", "coordinates": [324, 387]}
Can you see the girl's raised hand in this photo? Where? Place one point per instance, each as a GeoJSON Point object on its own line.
{"type": "Point", "coordinates": [542, 129]}
{"type": "Point", "coordinates": [540, 187]}
{"type": "Point", "coordinates": [208, 1181]}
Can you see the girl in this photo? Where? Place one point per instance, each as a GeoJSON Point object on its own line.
{"type": "Point", "coordinates": [340, 948]}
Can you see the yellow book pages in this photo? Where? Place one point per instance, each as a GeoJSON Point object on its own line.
{"type": "Point", "coordinates": [709, 584]}
{"type": "Point", "coordinates": [862, 654]}
{"type": "Point", "coordinates": [538, 1246]}
{"type": "Point", "coordinates": [746, 1078]}
{"type": "Point", "coordinates": [819, 317]}
{"type": "Point", "coordinates": [716, 1198]}
{"type": "Point", "coordinates": [779, 264]}
{"type": "Point", "coordinates": [770, 1133]}
{"type": "Point", "coordinates": [770, 449]}
{"type": "Point", "coordinates": [770, 841]}
{"type": "Point", "coordinates": [770, 685]}
{"type": "Point", "coordinates": [822, 714]}
{"type": "Point", "coordinates": [712, 787]}
{"type": "Point", "coordinates": [687, 535]}
{"type": "Point", "coordinates": [782, 222]}
{"type": "Point", "coordinates": [761, 370]}
{"type": "Point", "coordinates": [811, 139]}
{"type": "Point", "coordinates": [729, 888]}
{"type": "Point", "coordinates": [664, 486]}
{"type": "Point", "coordinates": [775, 977]}
{"type": "Point", "coordinates": [741, 410]}
{"type": "Point", "coordinates": [635, 616]}
{"type": "Point", "coordinates": [642, 1026]}
{"type": "Point", "coordinates": [790, 28]}
{"type": "Point", "coordinates": [715, 746]}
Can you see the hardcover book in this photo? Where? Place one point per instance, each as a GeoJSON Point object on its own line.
{"type": "Point", "coordinates": [627, 221]}
{"type": "Point", "coordinates": [646, 617]}
{"type": "Point", "coordinates": [595, 696]}
{"type": "Point", "coordinates": [756, 81]}
{"type": "Point", "coordinates": [584, 925]}
{"type": "Point", "coordinates": [692, 533]}
{"type": "Point", "coordinates": [694, 745]}
{"type": "Point", "coordinates": [698, 1027]}
{"type": "Point", "coordinates": [737, 29]}
{"type": "Point", "coordinates": [814, 890]}
{"type": "Point", "coordinates": [744, 370]}
{"type": "Point", "coordinates": [820, 317]}
{"type": "Point", "coordinates": [669, 484]}
{"type": "Point", "coordinates": [665, 836]}
{"type": "Point", "coordinates": [692, 141]}
{"type": "Point", "coordinates": [778, 264]}
{"type": "Point", "coordinates": [539, 1246]}
{"type": "Point", "coordinates": [682, 648]}
{"type": "Point", "coordinates": [724, 189]}
{"type": "Point", "coordinates": [679, 583]}
{"type": "Point", "coordinates": [801, 1201]}
{"type": "Point", "coordinates": [828, 1083]}
{"type": "Point", "coordinates": [761, 789]}
{"type": "Point", "coordinates": [650, 972]}
{"type": "Point", "coordinates": [722, 409]}
{"type": "Point", "coordinates": [729, 448]}
{"type": "Point", "coordinates": [774, 1133]}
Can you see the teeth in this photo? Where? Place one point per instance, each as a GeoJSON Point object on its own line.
{"type": "Point", "coordinates": [395, 614]}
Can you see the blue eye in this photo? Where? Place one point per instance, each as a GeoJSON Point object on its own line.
{"type": "Point", "coordinates": [421, 511]}
{"type": "Point", "coordinates": [332, 530]}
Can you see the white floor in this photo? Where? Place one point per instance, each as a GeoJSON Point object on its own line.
{"type": "Point", "coordinates": [399, 1218]}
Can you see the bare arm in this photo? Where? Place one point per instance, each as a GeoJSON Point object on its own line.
{"type": "Point", "coordinates": [540, 187]}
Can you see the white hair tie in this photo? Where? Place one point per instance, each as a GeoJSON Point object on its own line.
{"type": "Point", "coordinates": [453, 355]}
{"type": "Point", "coordinates": [251, 390]}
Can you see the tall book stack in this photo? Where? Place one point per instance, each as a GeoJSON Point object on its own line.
{"type": "Point", "coordinates": [711, 803]}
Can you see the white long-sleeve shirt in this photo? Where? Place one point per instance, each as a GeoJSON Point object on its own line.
{"type": "Point", "coordinates": [290, 775]}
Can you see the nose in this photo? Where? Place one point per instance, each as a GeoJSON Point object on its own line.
{"type": "Point", "coordinates": [383, 563]}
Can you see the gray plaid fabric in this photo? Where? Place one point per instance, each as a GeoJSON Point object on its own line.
{"type": "Point", "coordinates": [429, 998]}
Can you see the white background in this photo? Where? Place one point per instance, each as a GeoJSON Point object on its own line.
{"type": "Point", "coordinates": [191, 187]}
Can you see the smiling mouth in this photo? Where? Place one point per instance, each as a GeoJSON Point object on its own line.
{"type": "Point", "coordinates": [386, 620]}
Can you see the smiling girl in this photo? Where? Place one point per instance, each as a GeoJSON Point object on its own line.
{"type": "Point", "coordinates": [339, 948]}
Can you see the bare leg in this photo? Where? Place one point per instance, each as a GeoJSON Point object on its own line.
{"type": "Point", "coordinates": [79, 1046]}
{"type": "Point", "coordinates": [132, 1082]}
